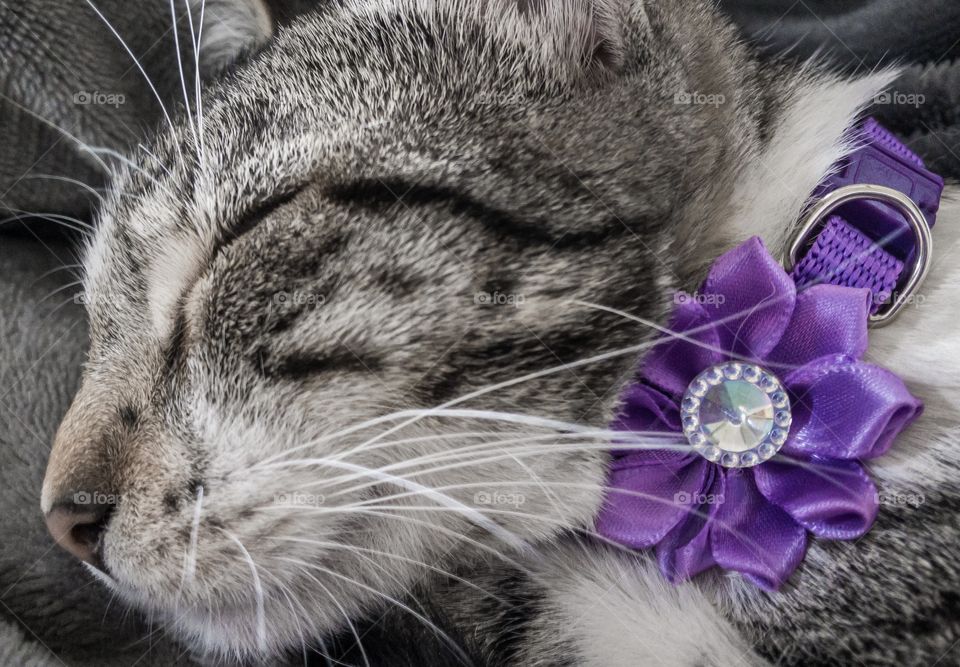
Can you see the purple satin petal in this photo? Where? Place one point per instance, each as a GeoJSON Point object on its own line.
{"type": "Point", "coordinates": [673, 363]}
{"type": "Point", "coordinates": [642, 409]}
{"type": "Point", "coordinates": [836, 500]}
{"type": "Point", "coordinates": [645, 502]}
{"type": "Point", "coordinates": [827, 320]}
{"type": "Point", "coordinates": [754, 537]}
{"type": "Point", "coordinates": [685, 551]}
{"type": "Point", "coordinates": [755, 299]}
{"type": "Point", "coordinates": [845, 409]}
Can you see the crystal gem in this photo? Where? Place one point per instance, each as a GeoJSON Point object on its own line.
{"type": "Point", "coordinates": [741, 419]}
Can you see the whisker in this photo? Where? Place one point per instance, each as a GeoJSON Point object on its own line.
{"type": "Point", "coordinates": [183, 82]}
{"type": "Point", "coordinates": [386, 554]}
{"type": "Point", "coordinates": [80, 144]}
{"type": "Point", "coordinates": [195, 37]}
{"type": "Point", "coordinates": [191, 563]}
{"type": "Point", "coordinates": [295, 616]}
{"type": "Point", "coordinates": [346, 617]}
{"type": "Point", "coordinates": [52, 217]}
{"type": "Point", "coordinates": [821, 470]}
{"type": "Point", "coordinates": [125, 160]}
{"type": "Point", "coordinates": [69, 285]}
{"type": "Point", "coordinates": [139, 66]}
{"type": "Point", "coordinates": [416, 414]}
{"type": "Point", "coordinates": [518, 452]}
{"type": "Point", "coordinates": [258, 591]}
{"type": "Point", "coordinates": [423, 619]}
{"type": "Point", "coordinates": [767, 363]}
{"type": "Point", "coordinates": [426, 524]}
{"type": "Point", "coordinates": [686, 336]}
{"type": "Point", "coordinates": [468, 512]}
{"type": "Point", "coordinates": [65, 179]}
{"type": "Point", "coordinates": [78, 225]}
{"type": "Point", "coordinates": [366, 507]}
{"type": "Point", "coordinates": [758, 550]}
{"type": "Point", "coordinates": [624, 440]}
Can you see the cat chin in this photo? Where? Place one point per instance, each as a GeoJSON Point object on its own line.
{"type": "Point", "coordinates": [211, 635]}
{"type": "Point", "coordinates": [229, 634]}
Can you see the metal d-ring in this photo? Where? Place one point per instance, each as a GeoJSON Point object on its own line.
{"type": "Point", "coordinates": [895, 198]}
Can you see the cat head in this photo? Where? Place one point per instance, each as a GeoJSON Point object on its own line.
{"type": "Point", "coordinates": [344, 316]}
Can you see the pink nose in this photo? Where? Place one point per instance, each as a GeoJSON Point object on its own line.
{"type": "Point", "coordinates": [79, 529]}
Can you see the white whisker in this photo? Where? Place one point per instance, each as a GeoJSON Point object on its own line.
{"type": "Point", "coordinates": [139, 66]}
{"type": "Point", "coordinates": [624, 441]}
{"type": "Point", "coordinates": [458, 536]}
{"type": "Point", "coordinates": [65, 179]}
{"type": "Point", "coordinates": [107, 172]}
{"type": "Point", "coordinates": [400, 605]}
{"type": "Point", "coordinates": [195, 37]}
{"type": "Point", "coordinates": [346, 617]}
{"type": "Point", "coordinates": [183, 82]}
{"type": "Point", "coordinates": [512, 454]}
{"type": "Point", "coordinates": [258, 592]}
{"type": "Point", "coordinates": [386, 554]}
{"type": "Point", "coordinates": [467, 511]}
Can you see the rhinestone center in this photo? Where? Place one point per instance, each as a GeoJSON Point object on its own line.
{"type": "Point", "coordinates": [737, 415]}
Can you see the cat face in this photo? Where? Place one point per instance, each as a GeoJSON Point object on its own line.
{"type": "Point", "coordinates": [336, 316]}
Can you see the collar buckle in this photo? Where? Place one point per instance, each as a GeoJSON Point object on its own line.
{"type": "Point", "coordinates": [917, 221]}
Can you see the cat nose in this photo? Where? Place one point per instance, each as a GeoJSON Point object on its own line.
{"type": "Point", "coordinates": [78, 527]}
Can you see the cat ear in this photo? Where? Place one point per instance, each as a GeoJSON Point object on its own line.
{"type": "Point", "coordinates": [589, 30]}
{"type": "Point", "coordinates": [230, 28]}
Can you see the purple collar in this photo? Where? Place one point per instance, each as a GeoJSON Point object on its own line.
{"type": "Point", "coordinates": [882, 203]}
{"type": "Point", "coordinates": [765, 387]}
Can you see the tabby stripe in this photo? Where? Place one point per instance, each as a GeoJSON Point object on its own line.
{"type": "Point", "coordinates": [379, 194]}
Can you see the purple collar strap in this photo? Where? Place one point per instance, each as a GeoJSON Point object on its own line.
{"type": "Point", "coordinates": [763, 384]}
{"type": "Point", "coordinates": [882, 203]}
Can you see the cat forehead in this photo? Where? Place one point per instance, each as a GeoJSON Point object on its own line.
{"type": "Point", "coordinates": [280, 117]}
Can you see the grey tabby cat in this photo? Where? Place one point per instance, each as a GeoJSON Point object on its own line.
{"type": "Point", "coordinates": [344, 322]}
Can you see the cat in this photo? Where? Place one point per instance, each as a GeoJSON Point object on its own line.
{"type": "Point", "coordinates": [346, 317]}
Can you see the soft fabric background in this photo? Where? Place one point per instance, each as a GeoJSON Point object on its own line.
{"type": "Point", "coordinates": [51, 50]}
{"type": "Point", "coordinates": [862, 35]}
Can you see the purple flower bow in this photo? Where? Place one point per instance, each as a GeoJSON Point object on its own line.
{"type": "Point", "coordinates": [755, 520]}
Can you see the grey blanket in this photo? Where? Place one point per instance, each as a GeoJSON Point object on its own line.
{"type": "Point", "coordinates": [54, 55]}
{"type": "Point", "coordinates": [923, 106]}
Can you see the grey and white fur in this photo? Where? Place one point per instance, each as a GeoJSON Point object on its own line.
{"type": "Point", "coordinates": [359, 290]}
